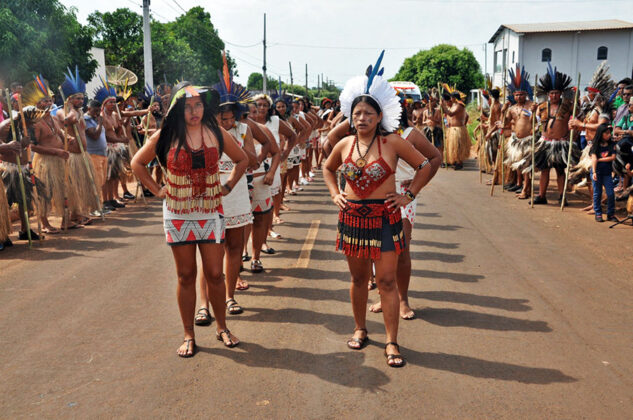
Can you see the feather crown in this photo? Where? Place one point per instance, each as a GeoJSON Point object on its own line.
{"type": "Point", "coordinates": [73, 85]}
{"type": "Point", "coordinates": [105, 92]}
{"type": "Point", "coordinates": [601, 81]}
{"type": "Point", "coordinates": [35, 91]}
{"type": "Point", "coordinates": [281, 95]}
{"type": "Point", "coordinates": [147, 95]}
{"type": "Point", "coordinates": [230, 92]}
{"type": "Point", "coordinates": [124, 91]}
{"type": "Point", "coordinates": [211, 96]}
{"type": "Point", "coordinates": [553, 80]}
{"type": "Point", "coordinates": [375, 86]}
{"type": "Point", "coordinates": [519, 81]}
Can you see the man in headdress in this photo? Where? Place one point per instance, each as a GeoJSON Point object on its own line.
{"type": "Point", "coordinates": [48, 144]}
{"type": "Point", "coordinates": [82, 192]}
{"type": "Point", "coordinates": [494, 134]}
{"type": "Point", "coordinates": [457, 138]}
{"type": "Point", "coordinates": [553, 147]}
{"type": "Point", "coordinates": [432, 124]}
{"type": "Point", "coordinates": [417, 114]}
{"type": "Point", "coordinates": [519, 119]}
{"type": "Point", "coordinates": [117, 141]}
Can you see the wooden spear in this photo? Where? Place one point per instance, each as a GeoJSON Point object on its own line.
{"type": "Point", "coordinates": [533, 142]}
{"type": "Point", "coordinates": [439, 91]}
{"type": "Point", "coordinates": [29, 166]}
{"type": "Point", "coordinates": [20, 175]}
{"type": "Point", "coordinates": [66, 173]}
{"type": "Point", "coordinates": [571, 139]}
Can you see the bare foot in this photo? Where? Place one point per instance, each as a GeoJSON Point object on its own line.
{"type": "Point", "coordinates": [406, 312]}
{"type": "Point", "coordinates": [376, 308]}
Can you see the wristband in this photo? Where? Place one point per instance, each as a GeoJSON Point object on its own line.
{"type": "Point", "coordinates": [409, 194]}
{"type": "Point", "coordinates": [227, 187]}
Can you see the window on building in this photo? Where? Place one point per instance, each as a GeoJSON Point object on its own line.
{"type": "Point", "coordinates": [602, 53]}
{"type": "Point", "coordinates": [498, 62]}
{"type": "Point", "coordinates": [546, 55]}
{"type": "Point", "coordinates": [513, 57]}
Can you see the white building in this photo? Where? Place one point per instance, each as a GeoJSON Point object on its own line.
{"type": "Point", "coordinates": [92, 85]}
{"type": "Point", "coordinates": [572, 47]}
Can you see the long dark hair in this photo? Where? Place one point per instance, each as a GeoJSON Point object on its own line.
{"type": "Point", "coordinates": [597, 139]}
{"type": "Point", "coordinates": [404, 118]}
{"type": "Point", "coordinates": [173, 128]}
{"type": "Point", "coordinates": [371, 102]}
{"type": "Point", "coordinates": [277, 113]}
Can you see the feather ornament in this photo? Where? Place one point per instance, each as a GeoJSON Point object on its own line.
{"type": "Point", "coordinates": [35, 91]}
{"type": "Point", "coordinates": [73, 85]}
{"type": "Point", "coordinates": [373, 72]}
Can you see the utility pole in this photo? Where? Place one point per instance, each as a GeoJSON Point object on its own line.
{"type": "Point", "coordinates": [291, 80]}
{"type": "Point", "coordinates": [322, 81]}
{"type": "Point", "coordinates": [485, 59]}
{"type": "Point", "coordinates": [147, 46]}
{"type": "Point", "coordinates": [306, 79]}
{"type": "Point", "coordinates": [318, 86]}
{"type": "Point", "coordinates": [264, 66]}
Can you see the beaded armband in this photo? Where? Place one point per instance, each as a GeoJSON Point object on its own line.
{"type": "Point", "coordinates": [409, 194]}
{"type": "Point", "coordinates": [422, 165]}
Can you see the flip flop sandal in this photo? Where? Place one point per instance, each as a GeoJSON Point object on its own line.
{"type": "Point", "coordinates": [226, 332]}
{"type": "Point", "coordinates": [203, 317]}
{"type": "Point", "coordinates": [358, 343]}
{"type": "Point", "coordinates": [246, 257]}
{"type": "Point", "coordinates": [233, 307]}
{"type": "Point", "coordinates": [372, 284]}
{"type": "Point", "coordinates": [191, 348]}
{"type": "Point", "coordinates": [275, 235]}
{"type": "Point", "coordinates": [393, 357]}
{"type": "Point", "coordinates": [256, 266]}
{"type": "Point", "coordinates": [51, 231]}
{"type": "Point", "coordinates": [269, 251]}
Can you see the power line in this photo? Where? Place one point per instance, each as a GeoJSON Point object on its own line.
{"type": "Point", "coordinates": [184, 11]}
{"type": "Point", "coordinates": [257, 44]}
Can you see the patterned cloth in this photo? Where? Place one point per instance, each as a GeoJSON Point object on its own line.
{"type": "Point", "coordinates": [262, 200]}
{"type": "Point", "coordinates": [407, 212]}
{"type": "Point", "coordinates": [236, 205]}
{"type": "Point", "coordinates": [184, 232]}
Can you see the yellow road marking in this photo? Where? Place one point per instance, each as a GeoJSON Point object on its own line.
{"type": "Point", "coordinates": [304, 256]}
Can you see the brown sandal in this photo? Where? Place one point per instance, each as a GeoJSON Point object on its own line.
{"type": "Point", "coordinates": [395, 356]}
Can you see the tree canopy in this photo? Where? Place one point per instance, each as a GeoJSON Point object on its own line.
{"type": "Point", "coordinates": [442, 64]}
{"type": "Point", "coordinates": [44, 37]}
{"type": "Point", "coordinates": [256, 80]}
{"type": "Point", "coordinates": [187, 48]}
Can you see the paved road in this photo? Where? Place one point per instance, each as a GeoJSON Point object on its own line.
{"type": "Point", "coordinates": [521, 314]}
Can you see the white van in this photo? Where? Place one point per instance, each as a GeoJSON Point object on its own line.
{"type": "Point", "coordinates": [409, 89]}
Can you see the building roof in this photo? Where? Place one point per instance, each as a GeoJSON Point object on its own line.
{"type": "Point", "coordinates": [593, 25]}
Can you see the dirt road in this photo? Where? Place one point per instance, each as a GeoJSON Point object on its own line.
{"type": "Point", "coordinates": [521, 313]}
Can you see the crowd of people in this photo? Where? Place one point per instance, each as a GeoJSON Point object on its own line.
{"type": "Point", "coordinates": [534, 130]}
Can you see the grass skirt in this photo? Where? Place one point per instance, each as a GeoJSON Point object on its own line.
{"type": "Point", "coordinates": [5, 216]}
{"type": "Point", "coordinates": [118, 162]}
{"type": "Point", "coordinates": [11, 179]}
{"type": "Point", "coordinates": [50, 171]}
{"type": "Point", "coordinates": [84, 199]}
{"type": "Point", "coordinates": [457, 144]}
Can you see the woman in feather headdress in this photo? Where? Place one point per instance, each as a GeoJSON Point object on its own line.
{"type": "Point", "coordinates": [553, 146]}
{"type": "Point", "coordinates": [188, 146]}
{"type": "Point", "coordinates": [370, 221]}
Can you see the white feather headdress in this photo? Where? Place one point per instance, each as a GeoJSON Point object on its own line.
{"type": "Point", "coordinates": [374, 85]}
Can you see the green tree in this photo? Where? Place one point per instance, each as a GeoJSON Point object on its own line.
{"type": "Point", "coordinates": [442, 64]}
{"type": "Point", "coordinates": [256, 82]}
{"type": "Point", "coordinates": [42, 36]}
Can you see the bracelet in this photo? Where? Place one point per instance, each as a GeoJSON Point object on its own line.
{"type": "Point", "coordinates": [409, 194]}
{"type": "Point", "coordinates": [422, 165]}
{"type": "Point", "coordinates": [227, 187]}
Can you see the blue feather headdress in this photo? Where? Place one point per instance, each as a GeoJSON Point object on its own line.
{"type": "Point", "coordinates": [553, 80]}
{"type": "Point", "coordinates": [106, 91]}
{"type": "Point", "coordinates": [281, 95]}
{"type": "Point", "coordinates": [519, 81]}
{"type": "Point", "coordinates": [73, 85]}
{"type": "Point", "coordinates": [147, 95]}
{"type": "Point", "coordinates": [230, 92]}
{"type": "Point", "coordinates": [374, 85]}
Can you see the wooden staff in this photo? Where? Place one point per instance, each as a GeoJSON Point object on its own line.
{"type": "Point", "coordinates": [20, 175]}
{"type": "Point", "coordinates": [66, 173]}
{"type": "Point", "coordinates": [29, 166]}
{"type": "Point", "coordinates": [481, 121]}
{"type": "Point", "coordinates": [439, 92]}
{"type": "Point", "coordinates": [533, 142]}
{"type": "Point", "coordinates": [138, 182]}
{"type": "Point", "coordinates": [571, 139]}
{"type": "Point", "coordinates": [85, 158]}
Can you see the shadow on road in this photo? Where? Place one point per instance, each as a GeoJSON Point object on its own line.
{"type": "Point", "coordinates": [309, 293]}
{"type": "Point", "coordinates": [459, 277]}
{"type": "Point", "coordinates": [460, 318]}
{"type": "Point", "coordinates": [515, 305]}
{"type": "Point", "coordinates": [480, 368]}
{"type": "Point", "coordinates": [344, 368]}
{"type": "Point", "coordinates": [339, 324]}
{"type": "Point", "coordinates": [437, 256]}
{"type": "Point", "coordinates": [441, 245]}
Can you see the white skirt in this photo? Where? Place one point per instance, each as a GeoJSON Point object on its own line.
{"type": "Point", "coordinates": [261, 201]}
{"type": "Point", "coordinates": [276, 187]}
{"type": "Point", "coordinates": [237, 206]}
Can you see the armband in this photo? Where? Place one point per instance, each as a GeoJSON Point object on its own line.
{"type": "Point", "coordinates": [422, 165]}
{"type": "Point", "coordinates": [227, 187]}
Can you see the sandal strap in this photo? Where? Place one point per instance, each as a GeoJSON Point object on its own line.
{"type": "Point", "coordinates": [361, 329]}
{"type": "Point", "coordinates": [392, 343]}
{"type": "Point", "coordinates": [234, 302]}
{"type": "Point", "coordinates": [204, 309]}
